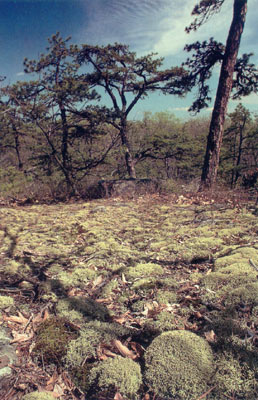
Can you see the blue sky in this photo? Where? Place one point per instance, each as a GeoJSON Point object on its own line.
{"type": "Point", "coordinates": [146, 25]}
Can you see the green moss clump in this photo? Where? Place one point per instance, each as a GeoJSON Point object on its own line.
{"type": "Point", "coordinates": [234, 286]}
{"type": "Point", "coordinates": [179, 364]}
{"type": "Point", "coordinates": [64, 310]}
{"type": "Point", "coordinates": [138, 306]}
{"type": "Point", "coordinates": [169, 283]}
{"type": "Point", "coordinates": [108, 288]}
{"type": "Point", "coordinates": [142, 270]}
{"type": "Point", "coordinates": [82, 308]}
{"type": "Point", "coordinates": [85, 347]}
{"type": "Point", "coordinates": [145, 284]}
{"type": "Point", "coordinates": [78, 277]}
{"type": "Point", "coordinates": [121, 374]}
{"type": "Point", "coordinates": [165, 321]}
{"type": "Point", "coordinates": [38, 396]}
{"type": "Point", "coordinates": [245, 294]}
{"type": "Point", "coordinates": [168, 322]}
{"type": "Point", "coordinates": [166, 297]}
{"type": "Point", "coordinates": [91, 336]}
{"type": "Point", "coordinates": [238, 255]}
{"type": "Point", "coordinates": [235, 377]}
{"type": "Point", "coordinates": [52, 338]}
{"type": "Point", "coordinates": [6, 301]}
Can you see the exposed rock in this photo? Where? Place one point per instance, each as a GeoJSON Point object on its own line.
{"type": "Point", "coordinates": [7, 354]}
{"type": "Point", "coordinates": [120, 187]}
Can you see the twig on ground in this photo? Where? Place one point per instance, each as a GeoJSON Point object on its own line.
{"type": "Point", "coordinates": [253, 265]}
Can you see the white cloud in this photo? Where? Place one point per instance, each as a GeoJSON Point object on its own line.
{"type": "Point", "coordinates": [252, 99]}
{"type": "Point", "coordinates": [154, 25]}
{"type": "Point", "coordinates": [20, 73]}
{"type": "Point", "coordinates": [180, 108]}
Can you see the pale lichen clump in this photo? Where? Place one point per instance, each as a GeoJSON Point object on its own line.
{"type": "Point", "coordinates": [234, 278]}
{"type": "Point", "coordinates": [85, 347]}
{"type": "Point", "coordinates": [38, 396]}
{"type": "Point", "coordinates": [120, 374]}
{"type": "Point", "coordinates": [78, 277]}
{"type": "Point", "coordinates": [5, 302]}
{"type": "Point", "coordinates": [166, 297]}
{"type": "Point", "coordinates": [145, 284]}
{"type": "Point", "coordinates": [179, 364]}
{"type": "Point", "coordinates": [238, 255]}
{"type": "Point", "coordinates": [235, 376]}
{"type": "Point", "coordinates": [143, 270]}
{"type": "Point", "coordinates": [91, 336]}
{"type": "Point", "coordinates": [82, 308]}
{"type": "Point", "coordinates": [165, 321]}
{"type": "Point", "coordinates": [64, 310]}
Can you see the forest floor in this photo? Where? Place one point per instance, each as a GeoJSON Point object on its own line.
{"type": "Point", "coordinates": [121, 272]}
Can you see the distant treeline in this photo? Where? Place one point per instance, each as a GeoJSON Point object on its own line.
{"type": "Point", "coordinates": [164, 148]}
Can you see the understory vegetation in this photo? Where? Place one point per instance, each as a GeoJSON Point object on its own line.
{"type": "Point", "coordinates": [167, 151]}
{"type": "Point", "coordinates": [154, 297]}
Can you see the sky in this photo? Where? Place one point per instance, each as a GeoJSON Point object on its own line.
{"type": "Point", "coordinates": [145, 25]}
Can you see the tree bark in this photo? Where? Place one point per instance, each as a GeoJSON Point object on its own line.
{"type": "Point", "coordinates": [214, 140]}
{"type": "Point", "coordinates": [128, 153]}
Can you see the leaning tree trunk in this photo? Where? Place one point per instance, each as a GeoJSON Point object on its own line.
{"type": "Point", "coordinates": [214, 141]}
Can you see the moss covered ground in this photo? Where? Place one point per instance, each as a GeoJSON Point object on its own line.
{"type": "Point", "coordinates": [121, 275]}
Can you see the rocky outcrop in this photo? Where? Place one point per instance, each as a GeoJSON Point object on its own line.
{"type": "Point", "coordinates": [7, 354]}
{"type": "Point", "coordinates": [121, 187]}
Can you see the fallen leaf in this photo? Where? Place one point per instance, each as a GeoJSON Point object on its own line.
{"type": "Point", "coordinates": [72, 292]}
{"type": "Point", "coordinates": [46, 315]}
{"type": "Point", "coordinates": [210, 336]}
{"type": "Point", "coordinates": [118, 396]}
{"type": "Point", "coordinates": [137, 348]}
{"type": "Point", "coordinates": [21, 337]}
{"type": "Point", "coordinates": [122, 318]}
{"type": "Point", "coordinates": [198, 315]}
{"type": "Point", "coordinates": [124, 350]}
{"type": "Point", "coordinates": [97, 281]}
{"type": "Point", "coordinates": [51, 382]}
{"type": "Point", "coordinates": [103, 353]}
{"type": "Point", "coordinates": [58, 391]}
{"type": "Point", "coordinates": [20, 319]}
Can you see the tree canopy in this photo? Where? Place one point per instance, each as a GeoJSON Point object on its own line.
{"type": "Point", "coordinates": [126, 79]}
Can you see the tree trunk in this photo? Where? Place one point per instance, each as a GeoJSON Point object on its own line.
{"type": "Point", "coordinates": [129, 161]}
{"type": "Point", "coordinates": [240, 149]}
{"type": "Point", "coordinates": [214, 140]}
{"type": "Point", "coordinates": [64, 150]}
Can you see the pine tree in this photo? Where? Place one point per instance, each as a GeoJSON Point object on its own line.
{"type": "Point", "coordinates": [207, 55]}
